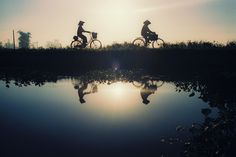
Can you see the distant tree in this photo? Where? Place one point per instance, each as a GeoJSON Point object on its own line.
{"type": "Point", "coordinates": [34, 45]}
{"type": "Point", "coordinates": [53, 44]}
{"type": "Point", "coordinates": [8, 44]}
{"type": "Point", "coordinates": [1, 45]}
{"type": "Point", "coordinates": [24, 39]}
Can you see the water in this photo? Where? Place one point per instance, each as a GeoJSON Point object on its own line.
{"type": "Point", "coordinates": [113, 113]}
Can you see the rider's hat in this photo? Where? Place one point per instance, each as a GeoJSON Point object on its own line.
{"type": "Point", "coordinates": [147, 22]}
{"type": "Point", "coordinates": [81, 22]}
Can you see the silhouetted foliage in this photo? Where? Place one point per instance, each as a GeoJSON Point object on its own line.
{"type": "Point", "coordinates": [194, 45]}
{"type": "Point", "coordinates": [122, 46]}
{"type": "Point", "coordinates": [34, 45]}
{"type": "Point", "coordinates": [231, 44]}
{"type": "Point", "coordinates": [8, 45]}
{"type": "Point", "coordinates": [1, 45]}
{"type": "Point", "coordinates": [128, 46]}
{"type": "Point", "coordinates": [24, 39]}
{"type": "Point", "coordinates": [53, 44]}
{"type": "Point", "coordinates": [215, 136]}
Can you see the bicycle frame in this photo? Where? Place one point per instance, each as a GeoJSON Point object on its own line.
{"type": "Point", "coordinates": [92, 42]}
{"type": "Point", "coordinates": [91, 38]}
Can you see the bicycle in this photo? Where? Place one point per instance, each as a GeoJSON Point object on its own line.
{"type": "Point", "coordinates": [156, 42]}
{"type": "Point", "coordinates": [93, 43]}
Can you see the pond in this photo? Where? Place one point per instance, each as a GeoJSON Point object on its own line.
{"type": "Point", "coordinates": [116, 113]}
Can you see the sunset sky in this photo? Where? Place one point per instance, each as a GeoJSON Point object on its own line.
{"type": "Point", "coordinates": [119, 20]}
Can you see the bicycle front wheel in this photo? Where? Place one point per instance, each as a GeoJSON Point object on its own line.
{"type": "Point", "coordinates": [96, 44]}
{"type": "Point", "coordinates": [159, 43]}
{"type": "Point", "coordinates": [139, 42]}
{"type": "Point", "coordinates": [76, 44]}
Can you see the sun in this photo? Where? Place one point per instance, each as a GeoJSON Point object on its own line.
{"type": "Point", "coordinates": [118, 12]}
{"type": "Point", "coordinates": [116, 21]}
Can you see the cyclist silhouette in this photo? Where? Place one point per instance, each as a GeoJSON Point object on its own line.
{"type": "Point", "coordinates": [80, 32]}
{"type": "Point", "coordinates": [147, 33]}
{"type": "Point", "coordinates": [84, 90]}
{"type": "Point", "coordinates": [146, 91]}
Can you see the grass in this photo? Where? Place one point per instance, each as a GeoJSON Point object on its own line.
{"type": "Point", "coordinates": [179, 45]}
{"type": "Point", "coordinates": [167, 45]}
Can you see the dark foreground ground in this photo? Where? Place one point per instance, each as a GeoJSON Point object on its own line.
{"type": "Point", "coordinates": [162, 60]}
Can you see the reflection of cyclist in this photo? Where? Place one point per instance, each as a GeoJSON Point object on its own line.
{"type": "Point", "coordinates": [82, 93]}
{"type": "Point", "coordinates": [147, 33]}
{"type": "Point", "coordinates": [146, 91]}
{"type": "Point", "coordinates": [80, 32]}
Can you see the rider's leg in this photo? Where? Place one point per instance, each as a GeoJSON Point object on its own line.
{"type": "Point", "coordinates": [146, 40]}
{"type": "Point", "coordinates": [84, 38]}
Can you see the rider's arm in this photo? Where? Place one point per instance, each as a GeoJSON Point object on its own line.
{"type": "Point", "coordinates": [87, 31]}
{"type": "Point", "coordinates": [82, 30]}
{"type": "Point", "coordinates": [149, 31]}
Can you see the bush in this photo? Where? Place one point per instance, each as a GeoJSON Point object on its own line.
{"type": "Point", "coordinates": [231, 44]}
{"type": "Point", "coordinates": [123, 46]}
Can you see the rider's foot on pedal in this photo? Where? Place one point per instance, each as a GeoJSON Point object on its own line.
{"type": "Point", "coordinates": [84, 45]}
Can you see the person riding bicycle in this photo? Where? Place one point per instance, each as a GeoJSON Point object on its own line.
{"type": "Point", "coordinates": [80, 32]}
{"type": "Point", "coordinates": [147, 33]}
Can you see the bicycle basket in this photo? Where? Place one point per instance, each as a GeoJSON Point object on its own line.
{"type": "Point", "coordinates": [153, 37]}
{"type": "Point", "coordinates": [75, 38]}
{"type": "Point", "coordinates": [94, 35]}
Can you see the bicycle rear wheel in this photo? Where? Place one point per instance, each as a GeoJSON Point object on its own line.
{"type": "Point", "coordinates": [137, 84]}
{"type": "Point", "coordinates": [139, 42]}
{"type": "Point", "coordinates": [76, 44]}
{"type": "Point", "coordinates": [159, 43]}
{"type": "Point", "coordinates": [96, 44]}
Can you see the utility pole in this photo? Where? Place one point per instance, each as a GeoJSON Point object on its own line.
{"type": "Point", "coordinates": [14, 43]}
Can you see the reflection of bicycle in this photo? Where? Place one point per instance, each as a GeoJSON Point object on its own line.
{"type": "Point", "coordinates": [156, 42]}
{"type": "Point", "coordinates": [140, 84]}
{"type": "Point", "coordinates": [93, 43]}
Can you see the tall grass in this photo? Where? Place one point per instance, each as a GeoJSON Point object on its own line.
{"type": "Point", "coordinates": [199, 45]}
{"type": "Point", "coordinates": [178, 45]}
{"type": "Point", "coordinates": [167, 45]}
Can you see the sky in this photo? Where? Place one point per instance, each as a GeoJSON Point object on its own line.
{"type": "Point", "coordinates": [119, 20]}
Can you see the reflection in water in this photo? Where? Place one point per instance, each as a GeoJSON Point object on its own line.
{"type": "Point", "coordinates": [148, 89]}
{"type": "Point", "coordinates": [82, 91]}
{"type": "Point", "coordinates": [213, 135]}
{"type": "Point", "coordinates": [147, 84]}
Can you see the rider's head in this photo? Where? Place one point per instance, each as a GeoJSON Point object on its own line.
{"type": "Point", "coordinates": [81, 23]}
{"type": "Point", "coordinates": [82, 100]}
{"type": "Point", "coordinates": [147, 22]}
{"type": "Point", "coordinates": [146, 101]}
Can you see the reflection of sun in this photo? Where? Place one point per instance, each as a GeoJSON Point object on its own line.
{"type": "Point", "coordinates": [114, 102]}
{"type": "Point", "coordinates": [119, 93]}
{"type": "Point", "coordinates": [119, 90]}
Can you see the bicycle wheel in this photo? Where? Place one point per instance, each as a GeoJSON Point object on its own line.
{"type": "Point", "coordinates": [159, 83]}
{"type": "Point", "coordinates": [96, 44]}
{"type": "Point", "coordinates": [159, 43]}
{"type": "Point", "coordinates": [139, 42]}
{"type": "Point", "coordinates": [76, 44]}
{"type": "Point", "coordinates": [137, 84]}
